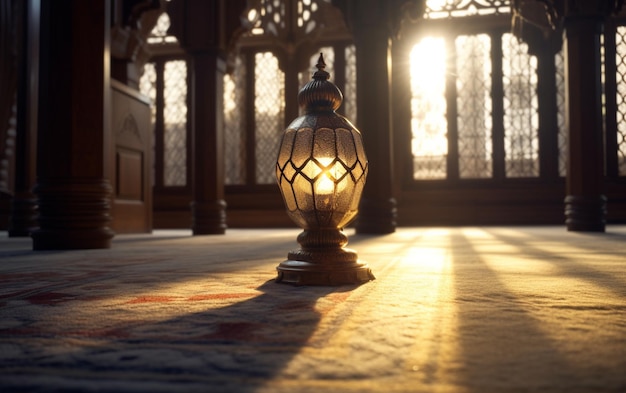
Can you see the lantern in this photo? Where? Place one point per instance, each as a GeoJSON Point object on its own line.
{"type": "Point", "coordinates": [321, 171]}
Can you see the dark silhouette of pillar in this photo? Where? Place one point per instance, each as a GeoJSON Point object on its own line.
{"type": "Point", "coordinates": [585, 203]}
{"type": "Point", "coordinates": [205, 29]}
{"type": "Point", "coordinates": [73, 141]}
{"type": "Point", "coordinates": [23, 204]}
{"type": "Point", "coordinates": [373, 24]}
{"type": "Point", "coordinates": [207, 90]}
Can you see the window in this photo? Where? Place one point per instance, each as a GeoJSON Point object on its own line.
{"type": "Point", "coordinates": [474, 103]}
{"type": "Point", "coordinates": [164, 81]}
{"type": "Point", "coordinates": [260, 91]}
{"type": "Point", "coordinates": [620, 96]}
{"type": "Point", "coordinates": [269, 114]}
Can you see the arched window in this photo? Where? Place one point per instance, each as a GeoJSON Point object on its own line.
{"type": "Point", "coordinates": [272, 62]}
{"type": "Point", "coordinates": [164, 81]}
{"type": "Point", "coordinates": [265, 71]}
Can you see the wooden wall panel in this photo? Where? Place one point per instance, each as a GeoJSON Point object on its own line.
{"type": "Point", "coordinates": [129, 174]}
{"type": "Point", "coordinates": [132, 135]}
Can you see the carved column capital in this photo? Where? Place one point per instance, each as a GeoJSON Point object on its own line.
{"type": "Point", "coordinates": [590, 8]}
{"type": "Point", "coordinates": [133, 18]}
{"type": "Point", "coordinates": [538, 22]}
{"type": "Point", "coordinates": [132, 22]}
{"type": "Point", "coordinates": [389, 14]}
{"type": "Point", "coordinates": [550, 14]}
{"type": "Point", "coordinates": [206, 26]}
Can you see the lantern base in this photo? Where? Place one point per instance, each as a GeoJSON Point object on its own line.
{"type": "Point", "coordinates": [311, 273]}
{"type": "Point", "coordinates": [323, 260]}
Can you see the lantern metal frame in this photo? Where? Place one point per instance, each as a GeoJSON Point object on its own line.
{"type": "Point", "coordinates": [321, 170]}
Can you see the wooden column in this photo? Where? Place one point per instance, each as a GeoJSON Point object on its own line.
{"type": "Point", "coordinates": [372, 23]}
{"type": "Point", "coordinates": [73, 188]}
{"type": "Point", "coordinates": [585, 203]}
{"type": "Point", "coordinates": [205, 30]}
{"type": "Point", "coordinates": [22, 218]}
{"type": "Point", "coordinates": [208, 208]}
{"type": "Point", "coordinates": [10, 22]}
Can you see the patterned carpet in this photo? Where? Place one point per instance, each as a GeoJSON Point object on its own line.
{"type": "Point", "coordinates": [532, 309]}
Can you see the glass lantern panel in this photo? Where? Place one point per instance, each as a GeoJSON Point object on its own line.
{"type": "Point", "coordinates": [324, 145]}
{"type": "Point", "coordinates": [289, 171]}
{"type": "Point", "coordinates": [324, 193]}
{"type": "Point", "coordinates": [303, 191]}
{"type": "Point", "coordinates": [324, 184]}
{"type": "Point", "coordinates": [357, 172]}
{"type": "Point", "coordinates": [346, 151]}
{"type": "Point", "coordinates": [287, 190]}
{"type": "Point", "coordinates": [311, 170]}
{"type": "Point", "coordinates": [302, 147]}
{"type": "Point", "coordinates": [354, 202]}
{"type": "Point", "coordinates": [345, 184]}
{"type": "Point", "coordinates": [358, 142]}
{"type": "Point", "coordinates": [338, 172]}
{"type": "Point", "coordinates": [344, 200]}
{"type": "Point", "coordinates": [286, 146]}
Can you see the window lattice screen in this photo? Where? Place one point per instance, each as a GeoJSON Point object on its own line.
{"type": "Point", "coordinates": [349, 92]}
{"type": "Point", "coordinates": [147, 87]}
{"type": "Point", "coordinates": [470, 67]}
{"type": "Point", "coordinates": [269, 117]}
{"type": "Point", "coordinates": [159, 35]}
{"type": "Point", "coordinates": [473, 67]}
{"type": "Point", "coordinates": [253, 134]}
{"type": "Point", "coordinates": [175, 123]}
{"type": "Point", "coordinates": [559, 63]}
{"type": "Point", "coordinates": [620, 58]}
{"type": "Point", "coordinates": [437, 9]}
{"type": "Point", "coordinates": [521, 117]}
{"type": "Point", "coordinates": [234, 124]}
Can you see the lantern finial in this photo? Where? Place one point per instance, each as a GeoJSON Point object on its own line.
{"type": "Point", "coordinates": [320, 94]}
{"type": "Point", "coordinates": [320, 74]}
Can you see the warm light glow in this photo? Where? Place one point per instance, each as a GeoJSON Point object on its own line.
{"type": "Point", "coordinates": [428, 104]}
{"type": "Point", "coordinates": [428, 65]}
{"type": "Point", "coordinates": [325, 174]}
{"type": "Point", "coordinates": [325, 184]}
{"type": "Point", "coordinates": [436, 4]}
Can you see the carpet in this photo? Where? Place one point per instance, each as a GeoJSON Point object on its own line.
{"type": "Point", "coordinates": [531, 309]}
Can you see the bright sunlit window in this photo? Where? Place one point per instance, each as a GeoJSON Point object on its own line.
{"type": "Point", "coordinates": [428, 108]}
